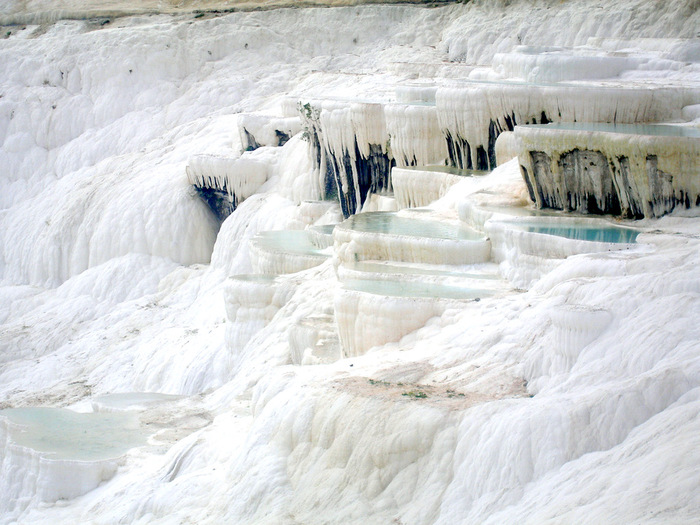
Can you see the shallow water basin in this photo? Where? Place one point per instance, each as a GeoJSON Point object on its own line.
{"type": "Point", "coordinates": [59, 433]}
{"type": "Point", "coordinates": [288, 241]}
{"type": "Point", "coordinates": [583, 232]}
{"type": "Point", "coordinates": [654, 130]}
{"type": "Point", "coordinates": [391, 223]}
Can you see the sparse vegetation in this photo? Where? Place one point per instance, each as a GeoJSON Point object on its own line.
{"type": "Point", "coordinates": [308, 113]}
{"type": "Point", "coordinates": [416, 394]}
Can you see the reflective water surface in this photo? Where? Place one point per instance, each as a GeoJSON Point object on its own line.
{"type": "Point", "coordinates": [658, 130]}
{"type": "Point", "coordinates": [64, 434]}
{"type": "Point", "coordinates": [390, 222]}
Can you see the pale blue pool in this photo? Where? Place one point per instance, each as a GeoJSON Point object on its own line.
{"type": "Point", "coordinates": [289, 241]}
{"type": "Point", "coordinates": [63, 434]}
{"type": "Point", "coordinates": [655, 130]}
{"type": "Point", "coordinates": [389, 222]}
{"type": "Point", "coordinates": [584, 232]}
{"type": "Point", "coordinates": [326, 229]}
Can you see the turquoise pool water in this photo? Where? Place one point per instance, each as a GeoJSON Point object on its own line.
{"type": "Point", "coordinates": [326, 229]}
{"type": "Point", "coordinates": [290, 241]}
{"type": "Point", "coordinates": [63, 434]}
{"type": "Point", "coordinates": [584, 232]}
{"type": "Point", "coordinates": [655, 130]}
{"type": "Point", "coordinates": [389, 222]}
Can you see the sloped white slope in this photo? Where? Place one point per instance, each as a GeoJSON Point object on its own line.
{"type": "Point", "coordinates": [549, 23]}
{"type": "Point", "coordinates": [326, 444]}
{"type": "Point", "coordinates": [74, 97]}
{"type": "Point", "coordinates": [537, 406]}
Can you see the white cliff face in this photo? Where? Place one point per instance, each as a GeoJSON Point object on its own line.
{"type": "Point", "coordinates": [628, 170]}
{"type": "Point", "coordinates": [547, 377]}
{"type": "Point", "coordinates": [356, 156]}
{"type": "Point", "coordinates": [473, 115]}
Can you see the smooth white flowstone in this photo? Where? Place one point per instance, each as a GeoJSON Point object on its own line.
{"type": "Point", "coordinates": [414, 132]}
{"type": "Point", "coordinates": [369, 320]}
{"type": "Point", "coordinates": [114, 293]}
{"type": "Point", "coordinates": [528, 248]}
{"type": "Point", "coordinates": [251, 302]}
{"type": "Point", "coordinates": [256, 130]}
{"type": "Point", "coordinates": [419, 186]}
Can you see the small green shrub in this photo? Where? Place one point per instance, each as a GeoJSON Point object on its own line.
{"type": "Point", "coordinates": [416, 394]}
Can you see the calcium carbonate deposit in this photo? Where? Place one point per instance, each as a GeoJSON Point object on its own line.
{"type": "Point", "coordinates": [349, 264]}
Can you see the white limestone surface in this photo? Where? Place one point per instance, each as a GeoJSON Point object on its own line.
{"type": "Point", "coordinates": [251, 302]}
{"type": "Point", "coordinates": [528, 248]}
{"type": "Point", "coordinates": [643, 171]}
{"type": "Point", "coordinates": [415, 135]}
{"type": "Point", "coordinates": [387, 236]}
{"type": "Point", "coordinates": [371, 320]}
{"type": "Point", "coordinates": [349, 146]}
{"type": "Point", "coordinates": [474, 416]}
{"type": "Point", "coordinates": [474, 113]}
{"type": "Point", "coordinates": [258, 130]}
{"type": "Point", "coordinates": [506, 147]}
{"type": "Point", "coordinates": [314, 340]}
{"type": "Point", "coordinates": [416, 187]}
{"type": "Point", "coordinates": [238, 177]}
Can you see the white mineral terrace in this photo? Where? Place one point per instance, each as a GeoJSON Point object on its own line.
{"type": "Point", "coordinates": [473, 113]}
{"type": "Point", "coordinates": [53, 453]}
{"type": "Point", "coordinates": [251, 302]}
{"type": "Point", "coordinates": [458, 122]}
{"type": "Point", "coordinates": [529, 248]}
{"type": "Point", "coordinates": [209, 314]}
{"type": "Point", "coordinates": [397, 275]}
{"type": "Point", "coordinates": [418, 186]}
{"type": "Point", "coordinates": [256, 130]}
{"type": "Point", "coordinates": [366, 320]}
{"type": "Point", "coordinates": [415, 134]}
{"type": "Point", "coordinates": [630, 170]}
{"type": "Point", "coordinates": [285, 251]}
{"type": "Point", "coordinates": [236, 177]}
{"type": "Point", "coordinates": [394, 237]}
